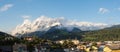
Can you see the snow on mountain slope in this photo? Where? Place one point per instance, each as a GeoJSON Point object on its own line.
{"type": "Point", "coordinates": [44, 23]}
{"type": "Point", "coordinates": [23, 28]}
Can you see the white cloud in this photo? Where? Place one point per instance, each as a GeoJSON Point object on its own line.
{"type": "Point", "coordinates": [103, 10]}
{"type": "Point", "coordinates": [6, 7]}
{"type": "Point", "coordinates": [26, 17]}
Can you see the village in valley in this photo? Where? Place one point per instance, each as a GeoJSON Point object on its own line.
{"type": "Point", "coordinates": [34, 44]}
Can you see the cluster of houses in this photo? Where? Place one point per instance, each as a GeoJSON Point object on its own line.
{"type": "Point", "coordinates": [106, 46]}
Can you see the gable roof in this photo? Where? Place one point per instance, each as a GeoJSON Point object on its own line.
{"type": "Point", "coordinates": [114, 47]}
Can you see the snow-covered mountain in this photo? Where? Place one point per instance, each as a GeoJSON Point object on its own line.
{"type": "Point", "coordinates": [44, 23]}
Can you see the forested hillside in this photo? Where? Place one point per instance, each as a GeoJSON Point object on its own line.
{"type": "Point", "coordinates": [108, 34]}
{"type": "Point", "coordinates": [7, 39]}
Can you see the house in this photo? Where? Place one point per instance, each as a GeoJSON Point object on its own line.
{"type": "Point", "coordinates": [100, 48]}
{"type": "Point", "coordinates": [42, 47]}
{"type": "Point", "coordinates": [67, 50]}
{"type": "Point", "coordinates": [112, 48]}
{"type": "Point", "coordinates": [87, 49]}
{"type": "Point", "coordinates": [94, 49]}
{"type": "Point", "coordinates": [108, 42]}
{"type": "Point", "coordinates": [111, 42]}
{"type": "Point", "coordinates": [19, 48]}
{"type": "Point", "coordinates": [81, 47]}
{"type": "Point", "coordinates": [29, 38]}
{"type": "Point", "coordinates": [71, 50]}
{"type": "Point", "coordinates": [76, 42]}
{"type": "Point", "coordinates": [61, 41]}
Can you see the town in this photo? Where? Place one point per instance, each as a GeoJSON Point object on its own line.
{"type": "Point", "coordinates": [34, 44]}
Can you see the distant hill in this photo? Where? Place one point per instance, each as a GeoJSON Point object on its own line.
{"type": "Point", "coordinates": [63, 33]}
{"type": "Point", "coordinates": [107, 34]}
{"type": "Point", "coordinates": [55, 33]}
{"type": "Point", "coordinates": [7, 39]}
{"type": "Point", "coordinates": [114, 26]}
{"type": "Point", "coordinates": [4, 34]}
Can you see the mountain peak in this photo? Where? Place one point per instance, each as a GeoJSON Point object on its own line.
{"type": "Point", "coordinates": [44, 23]}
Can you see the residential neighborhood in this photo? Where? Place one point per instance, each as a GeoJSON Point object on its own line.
{"type": "Point", "coordinates": [69, 45]}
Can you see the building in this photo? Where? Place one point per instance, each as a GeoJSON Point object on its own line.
{"type": "Point", "coordinates": [29, 38]}
{"type": "Point", "coordinates": [42, 48]}
{"type": "Point", "coordinates": [19, 48]}
{"type": "Point", "coordinates": [81, 47]}
{"type": "Point", "coordinates": [76, 42]}
{"type": "Point", "coordinates": [94, 49]}
{"type": "Point", "coordinates": [112, 48]}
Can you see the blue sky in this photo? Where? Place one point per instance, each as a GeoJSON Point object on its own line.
{"type": "Point", "coordinates": [98, 11]}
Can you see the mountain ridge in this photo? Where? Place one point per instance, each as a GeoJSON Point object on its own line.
{"type": "Point", "coordinates": [44, 23]}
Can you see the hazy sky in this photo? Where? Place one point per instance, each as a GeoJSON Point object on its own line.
{"type": "Point", "coordinates": [13, 12]}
